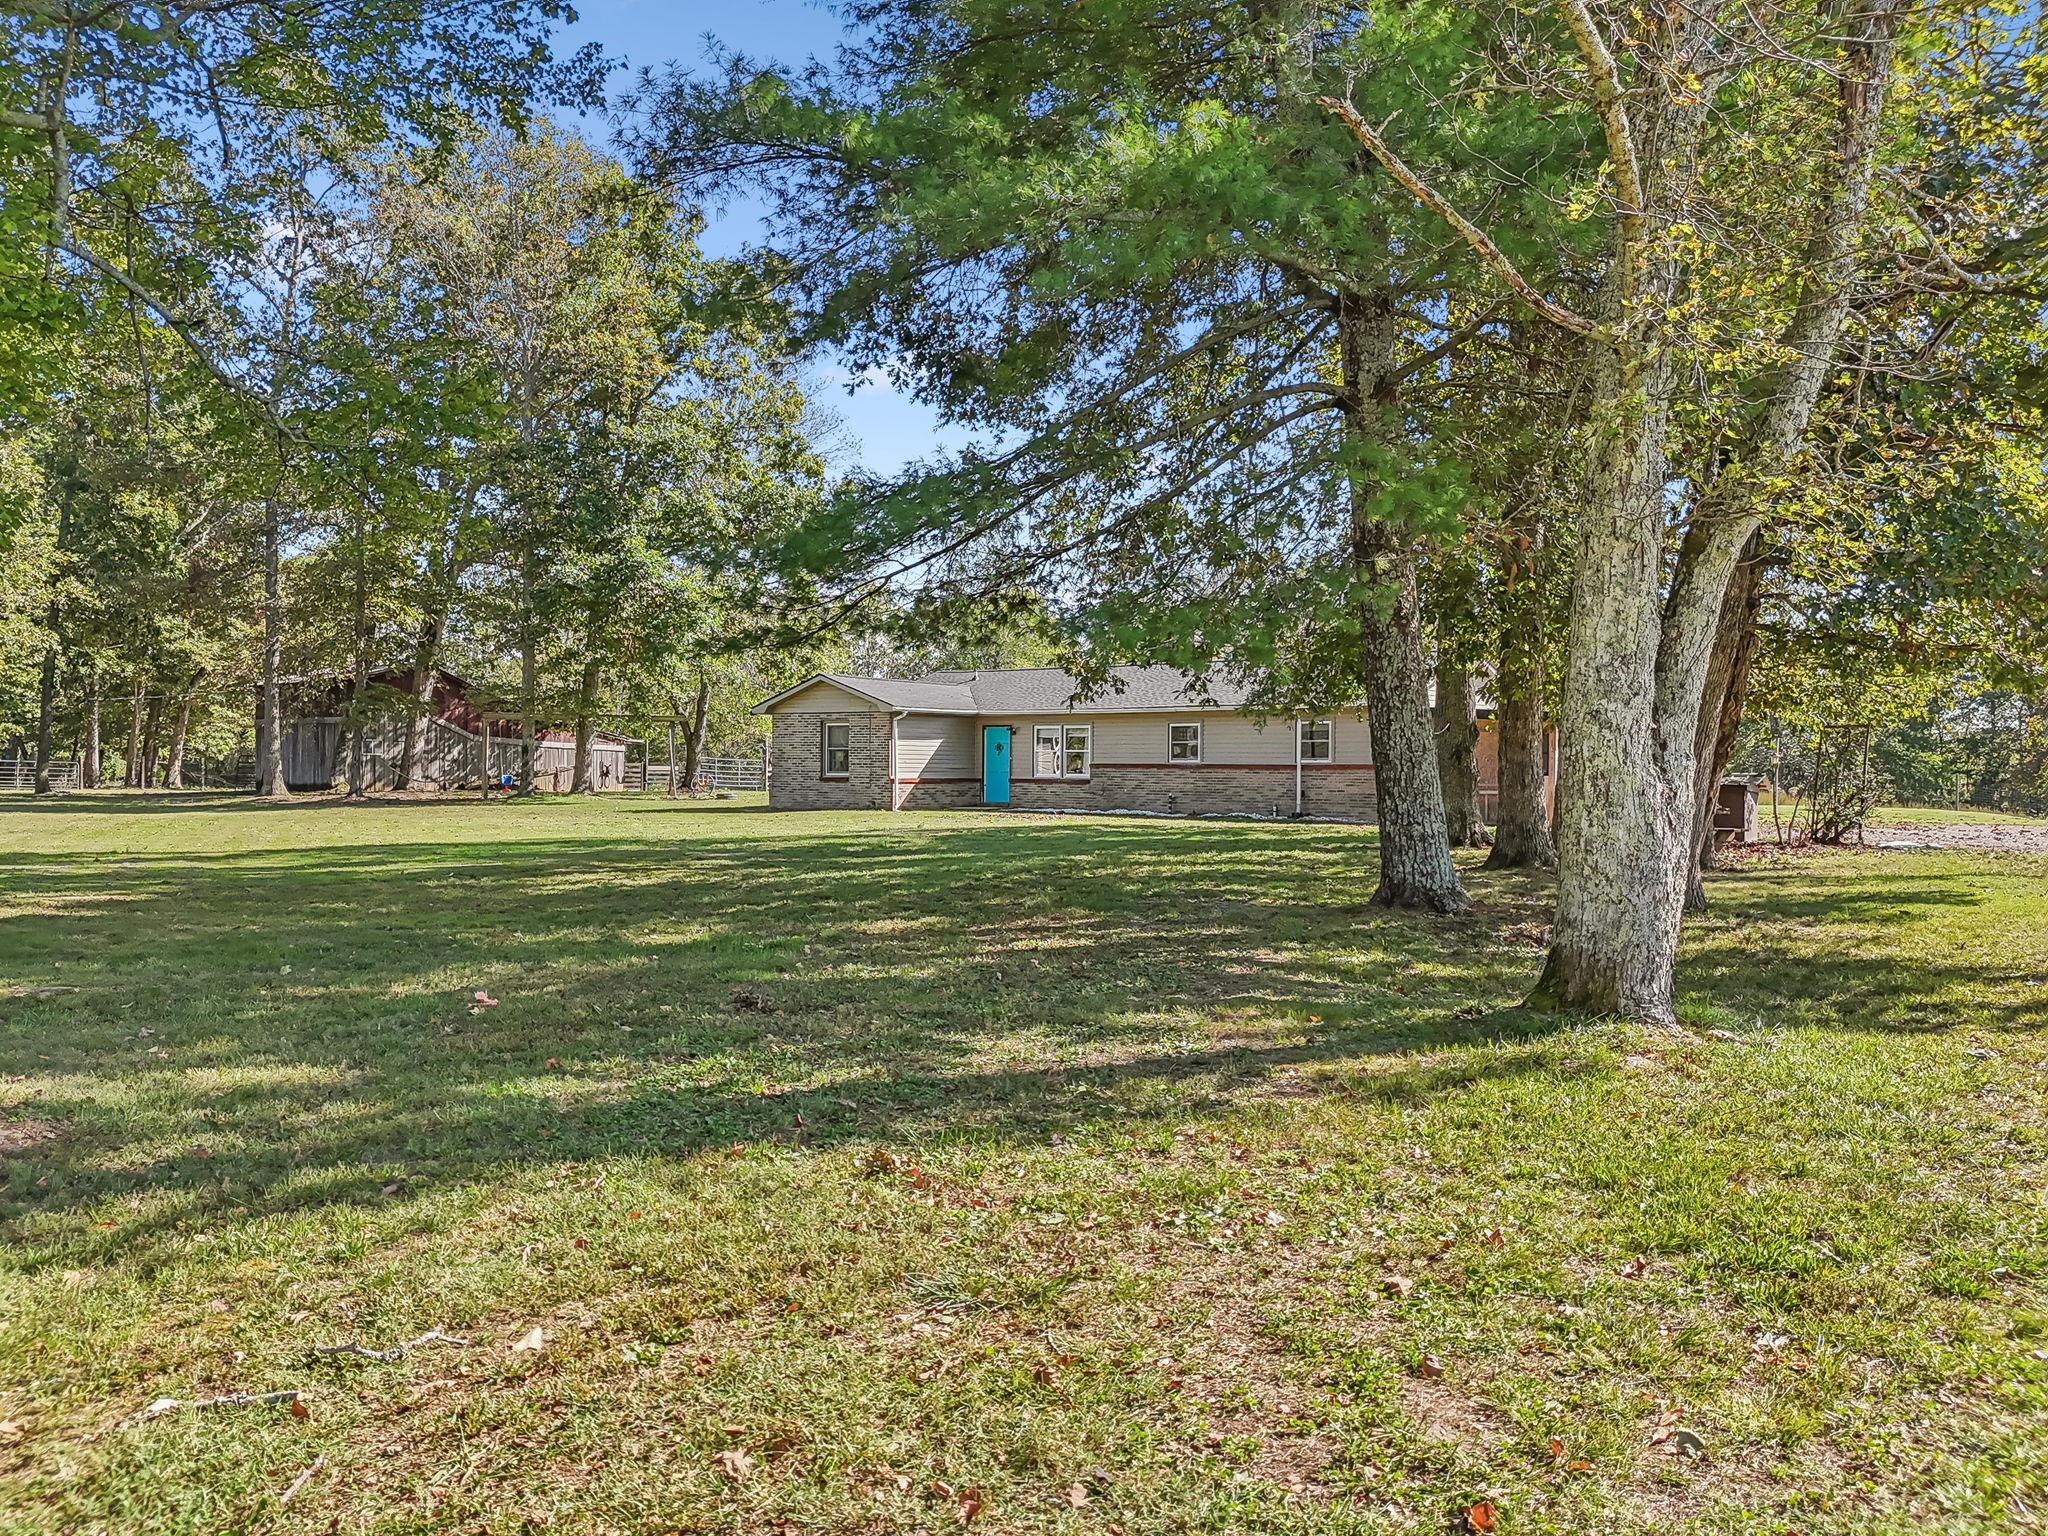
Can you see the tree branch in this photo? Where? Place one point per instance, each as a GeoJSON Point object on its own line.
{"type": "Point", "coordinates": [184, 333]}
{"type": "Point", "coordinates": [1613, 113]}
{"type": "Point", "coordinates": [1477, 238]}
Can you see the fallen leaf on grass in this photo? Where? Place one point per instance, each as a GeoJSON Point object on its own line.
{"type": "Point", "coordinates": [734, 1465]}
{"type": "Point", "coordinates": [1556, 1446]}
{"type": "Point", "coordinates": [1635, 1268]}
{"type": "Point", "coordinates": [970, 1505]}
{"type": "Point", "coordinates": [1431, 1366]}
{"type": "Point", "coordinates": [1076, 1496]}
{"type": "Point", "coordinates": [531, 1342]}
{"type": "Point", "coordinates": [1482, 1517]}
{"type": "Point", "coordinates": [1397, 1285]}
{"type": "Point", "coordinates": [299, 1410]}
{"type": "Point", "coordinates": [484, 999]}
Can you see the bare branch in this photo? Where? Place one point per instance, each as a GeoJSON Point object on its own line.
{"type": "Point", "coordinates": [1613, 113]}
{"type": "Point", "coordinates": [1494, 257]}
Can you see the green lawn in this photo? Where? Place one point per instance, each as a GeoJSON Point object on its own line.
{"type": "Point", "coordinates": [1960, 815]}
{"type": "Point", "coordinates": [872, 1174]}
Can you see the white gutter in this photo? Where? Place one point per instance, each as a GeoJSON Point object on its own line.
{"type": "Point", "coordinates": [1297, 765]}
{"type": "Point", "coordinates": [895, 784]}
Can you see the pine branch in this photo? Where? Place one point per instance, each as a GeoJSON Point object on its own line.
{"type": "Point", "coordinates": [1481, 243]}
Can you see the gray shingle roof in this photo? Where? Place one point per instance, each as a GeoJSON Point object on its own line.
{"type": "Point", "coordinates": [937, 694]}
{"type": "Point", "coordinates": [1048, 690]}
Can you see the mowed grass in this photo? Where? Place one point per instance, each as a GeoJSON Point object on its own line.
{"type": "Point", "coordinates": [889, 1174]}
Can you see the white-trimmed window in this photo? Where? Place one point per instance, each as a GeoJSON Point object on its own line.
{"type": "Point", "coordinates": [1062, 751]}
{"type": "Point", "coordinates": [1315, 740]}
{"type": "Point", "coordinates": [838, 755]}
{"type": "Point", "coordinates": [1184, 743]}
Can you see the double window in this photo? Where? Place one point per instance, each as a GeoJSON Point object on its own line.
{"type": "Point", "coordinates": [838, 763]}
{"type": "Point", "coordinates": [1315, 740]}
{"type": "Point", "coordinates": [1184, 743]}
{"type": "Point", "coordinates": [1062, 751]}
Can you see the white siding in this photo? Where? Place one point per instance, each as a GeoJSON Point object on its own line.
{"type": "Point", "coordinates": [935, 747]}
{"type": "Point", "coordinates": [825, 698]}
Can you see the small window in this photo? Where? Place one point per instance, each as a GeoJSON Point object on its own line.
{"type": "Point", "coordinates": [1315, 741]}
{"type": "Point", "coordinates": [838, 749]}
{"type": "Point", "coordinates": [1184, 743]}
{"type": "Point", "coordinates": [1062, 751]}
{"type": "Point", "coordinates": [1045, 752]}
{"type": "Point", "coordinates": [1080, 750]}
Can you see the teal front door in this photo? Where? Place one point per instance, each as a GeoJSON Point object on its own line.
{"type": "Point", "coordinates": [995, 764]}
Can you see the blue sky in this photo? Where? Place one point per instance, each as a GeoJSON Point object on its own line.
{"type": "Point", "coordinates": [887, 429]}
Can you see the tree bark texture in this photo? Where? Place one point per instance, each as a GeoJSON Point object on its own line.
{"type": "Point", "coordinates": [181, 726]}
{"type": "Point", "coordinates": [1415, 855]}
{"type": "Point", "coordinates": [529, 679]}
{"type": "Point", "coordinates": [1721, 696]}
{"type": "Point", "coordinates": [270, 742]}
{"type": "Point", "coordinates": [1521, 833]}
{"type": "Point", "coordinates": [131, 764]}
{"type": "Point", "coordinates": [153, 723]}
{"type": "Point", "coordinates": [426, 657]}
{"type": "Point", "coordinates": [89, 760]}
{"type": "Point", "coordinates": [700, 726]}
{"type": "Point", "coordinates": [1637, 672]}
{"type": "Point", "coordinates": [46, 706]}
{"type": "Point", "coordinates": [586, 726]}
{"type": "Point", "coordinates": [1456, 719]}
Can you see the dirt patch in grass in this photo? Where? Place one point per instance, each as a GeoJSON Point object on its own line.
{"type": "Point", "coordinates": [18, 1136]}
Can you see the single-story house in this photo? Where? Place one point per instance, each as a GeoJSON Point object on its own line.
{"type": "Point", "coordinates": [458, 735]}
{"type": "Point", "coordinates": [1151, 741]}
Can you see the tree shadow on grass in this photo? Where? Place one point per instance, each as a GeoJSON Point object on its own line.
{"type": "Point", "coordinates": [290, 1028]}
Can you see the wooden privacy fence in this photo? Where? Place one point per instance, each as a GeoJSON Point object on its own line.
{"type": "Point", "coordinates": [315, 751]}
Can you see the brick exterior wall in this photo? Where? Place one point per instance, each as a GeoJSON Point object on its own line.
{"type": "Point", "coordinates": [940, 794]}
{"type": "Point", "coordinates": [796, 758]}
{"type": "Point", "coordinates": [1340, 793]}
{"type": "Point", "coordinates": [795, 783]}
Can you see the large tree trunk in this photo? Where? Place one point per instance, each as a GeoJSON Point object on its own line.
{"type": "Point", "coordinates": [181, 725]}
{"type": "Point", "coordinates": [586, 726]}
{"type": "Point", "coordinates": [131, 764]}
{"type": "Point", "coordinates": [1721, 708]}
{"type": "Point", "coordinates": [426, 657]}
{"type": "Point", "coordinates": [1637, 669]}
{"type": "Point", "coordinates": [1456, 718]}
{"type": "Point", "coordinates": [700, 727]}
{"type": "Point", "coordinates": [149, 740]}
{"type": "Point", "coordinates": [46, 706]}
{"type": "Point", "coordinates": [270, 741]}
{"type": "Point", "coordinates": [359, 701]}
{"type": "Point", "coordinates": [359, 723]}
{"type": "Point", "coordinates": [1415, 855]}
{"type": "Point", "coordinates": [89, 762]}
{"type": "Point", "coordinates": [53, 651]}
{"type": "Point", "coordinates": [529, 679]}
{"type": "Point", "coordinates": [1616, 940]}
{"type": "Point", "coordinates": [1521, 833]}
